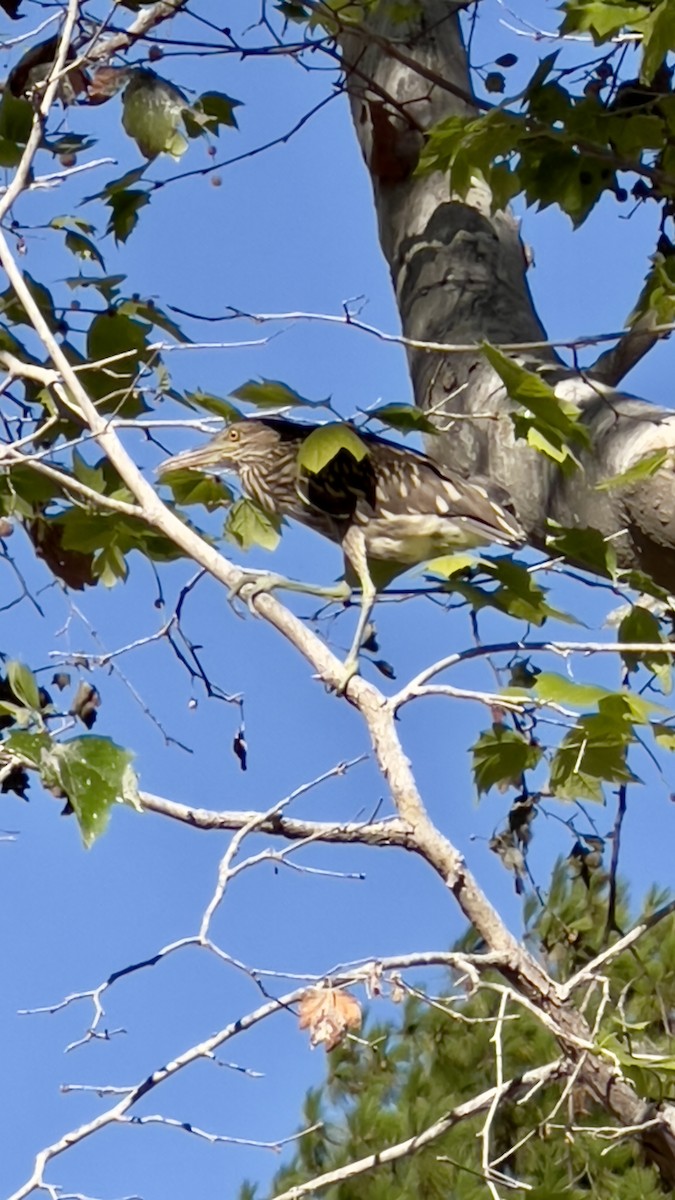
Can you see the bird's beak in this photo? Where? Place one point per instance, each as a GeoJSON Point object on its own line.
{"type": "Point", "coordinates": [203, 458]}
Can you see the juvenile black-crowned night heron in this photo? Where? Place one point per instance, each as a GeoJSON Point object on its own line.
{"type": "Point", "coordinates": [389, 510]}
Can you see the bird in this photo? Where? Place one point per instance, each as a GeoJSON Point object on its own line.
{"type": "Point", "coordinates": [390, 509]}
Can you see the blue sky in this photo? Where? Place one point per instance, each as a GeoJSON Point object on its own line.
{"type": "Point", "coordinates": [291, 229]}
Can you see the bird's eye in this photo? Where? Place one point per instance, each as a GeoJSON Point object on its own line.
{"type": "Point", "coordinates": [233, 435]}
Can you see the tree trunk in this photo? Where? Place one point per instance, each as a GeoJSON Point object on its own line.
{"type": "Point", "coordinates": [459, 274]}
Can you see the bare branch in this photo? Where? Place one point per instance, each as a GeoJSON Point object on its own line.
{"type": "Point", "coordinates": [510, 1090]}
{"type": "Point", "coordinates": [613, 366]}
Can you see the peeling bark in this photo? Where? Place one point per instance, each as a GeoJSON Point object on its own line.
{"type": "Point", "coordinates": [459, 274]}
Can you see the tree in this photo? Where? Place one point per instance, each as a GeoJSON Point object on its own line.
{"type": "Point", "coordinates": [89, 383]}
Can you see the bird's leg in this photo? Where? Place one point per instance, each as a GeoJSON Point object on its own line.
{"type": "Point", "coordinates": [255, 583]}
{"type": "Point", "coordinates": [354, 546]}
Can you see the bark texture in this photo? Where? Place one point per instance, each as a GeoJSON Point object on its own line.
{"type": "Point", "coordinates": [459, 274]}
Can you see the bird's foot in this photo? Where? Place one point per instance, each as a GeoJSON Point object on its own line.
{"type": "Point", "coordinates": [255, 583]}
{"type": "Point", "coordinates": [350, 668]}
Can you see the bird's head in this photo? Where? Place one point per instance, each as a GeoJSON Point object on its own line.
{"type": "Point", "coordinates": [242, 445]}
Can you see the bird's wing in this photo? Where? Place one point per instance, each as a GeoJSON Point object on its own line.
{"type": "Point", "coordinates": [408, 482]}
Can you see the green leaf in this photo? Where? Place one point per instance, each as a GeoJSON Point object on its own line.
{"type": "Point", "coordinates": [657, 298]}
{"type": "Point", "coordinates": [120, 184]}
{"type": "Point", "coordinates": [213, 404]}
{"type": "Point", "coordinates": [519, 594]}
{"type": "Point", "coordinates": [644, 468]}
{"type": "Point", "coordinates": [664, 735]}
{"type": "Point", "coordinates": [593, 752]}
{"type": "Point", "coordinates": [451, 564]}
{"type": "Point", "coordinates": [212, 110]}
{"type": "Point", "coordinates": [152, 111]}
{"type": "Point", "coordinates": [112, 333]}
{"type": "Point", "coordinates": [623, 706]}
{"type": "Point", "coordinates": [14, 311]}
{"type": "Point", "coordinates": [500, 756]}
{"type": "Point", "coordinates": [269, 393]}
{"type": "Point", "coordinates": [558, 689]}
{"type": "Point", "coordinates": [18, 713]}
{"type": "Point", "coordinates": [24, 685]}
{"type": "Point", "coordinates": [16, 118]}
{"type": "Point", "coordinates": [249, 525]}
{"type": "Point", "coordinates": [29, 746]}
{"type": "Point", "coordinates": [10, 153]}
{"type": "Point", "coordinates": [601, 18]}
{"type": "Point", "coordinates": [631, 136]}
{"type": "Point", "coordinates": [110, 565]}
{"type": "Point", "coordinates": [324, 443]}
{"type": "Point", "coordinates": [292, 11]}
{"type": "Point", "coordinates": [148, 311]}
{"type": "Point", "coordinates": [69, 142]}
{"type": "Point", "coordinates": [124, 210]}
{"type": "Point", "coordinates": [93, 477]}
{"type": "Point", "coordinates": [83, 247]}
{"type": "Point", "coordinates": [94, 773]}
{"type": "Point", "coordinates": [640, 625]}
{"type": "Point", "coordinates": [658, 38]}
{"type": "Point", "coordinates": [588, 547]}
{"type": "Point", "coordinates": [107, 285]}
{"type": "Point", "coordinates": [192, 487]}
{"type": "Point", "coordinates": [403, 417]}
{"type": "Point", "coordinates": [556, 423]}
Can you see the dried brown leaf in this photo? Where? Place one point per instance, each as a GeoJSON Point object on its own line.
{"type": "Point", "coordinates": [329, 1014]}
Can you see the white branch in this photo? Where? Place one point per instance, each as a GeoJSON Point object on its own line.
{"type": "Point", "coordinates": [404, 1149]}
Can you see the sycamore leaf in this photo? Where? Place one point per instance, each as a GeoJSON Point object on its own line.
{"type": "Point", "coordinates": [664, 735]}
{"type": "Point", "coordinates": [92, 476]}
{"type": "Point", "coordinates": [124, 209]}
{"type": "Point", "coordinates": [24, 685]}
{"type": "Point", "coordinates": [94, 773]}
{"type": "Point", "coordinates": [324, 443]}
{"type": "Point", "coordinates": [644, 468]}
{"type": "Point", "coordinates": [209, 112]}
{"type": "Point", "coordinates": [500, 756]}
{"type": "Point", "coordinates": [107, 285]}
{"type": "Point", "coordinates": [112, 333]}
{"type": "Point", "coordinates": [658, 38]}
{"type": "Point", "coordinates": [213, 404]}
{"type": "Point", "coordinates": [147, 310]}
{"type": "Point", "coordinates": [16, 314]}
{"type": "Point", "coordinates": [403, 417]}
{"type": "Point", "coordinates": [328, 1013]}
{"type": "Point", "coordinates": [152, 113]}
{"type": "Point", "coordinates": [249, 525]}
{"type": "Point", "coordinates": [590, 754]}
{"type": "Point", "coordinates": [451, 564]}
{"type": "Point", "coordinates": [640, 625]}
{"type": "Point", "coordinates": [28, 746]}
{"type": "Point", "coordinates": [623, 707]}
{"type": "Point", "coordinates": [193, 487]}
{"type": "Point", "coordinates": [601, 18]}
{"type": "Point", "coordinates": [16, 118]}
{"type": "Point", "coordinates": [557, 420]}
{"type": "Point", "coordinates": [552, 688]}
{"type": "Point", "coordinates": [586, 546]}
{"type": "Point", "coordinates": [269, 393]}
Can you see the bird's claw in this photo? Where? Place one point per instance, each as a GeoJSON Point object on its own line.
{"type": "Point", "coordinates": [350, 668]}
{"type": "Point", "coordinates": [254, 583]}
